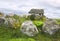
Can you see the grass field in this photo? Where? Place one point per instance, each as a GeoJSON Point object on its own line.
{"type": "Point", "coordinates": [9, 34]}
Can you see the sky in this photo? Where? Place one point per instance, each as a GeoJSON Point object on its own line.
{"type": "Point", "coordinates": [51, 7]}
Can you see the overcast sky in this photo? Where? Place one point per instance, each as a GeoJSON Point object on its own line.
{"type": "Point", "coordinates": [51, 7]}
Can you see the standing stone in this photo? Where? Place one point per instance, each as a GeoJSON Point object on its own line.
{"type": "Point", "coordinates": [29, 28]}
{"type": "Point", "coordinates": [37, 11]}
{"type": "Point", "coordinates": [36, 14]}
{"type": "Point", "coordinates": [50, 26]}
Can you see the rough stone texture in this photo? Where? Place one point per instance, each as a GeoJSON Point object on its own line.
{"type": "Point", "coordinates": [2, 20]}
{"type": "Point", "coordinates": [37, 17]}
{"type": "Point", "coordinates": [37, 11]}
{"type": "Point", "coordinates": [50, 26]}
{"type": "Point", "coordinates": [9, 22]}
{"type": "Point", "coordinates": [29, 28]}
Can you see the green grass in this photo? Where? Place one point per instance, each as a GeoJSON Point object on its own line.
{"type": "Point", "coordinates": [9, 34]}
{"type": "Point", "coordinates": [58, 21]}
{"type": "Point", "coordinates": [38, 23]}
{"type": "Point", "coordinates": [22, 39]}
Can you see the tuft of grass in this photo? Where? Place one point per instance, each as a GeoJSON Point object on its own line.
{"type": "Point", "coordinates": [38, 23]}
{"type": "Point", "coordinates": [22, 39]}
{"type": "Point", "coordinates": [58, 21]}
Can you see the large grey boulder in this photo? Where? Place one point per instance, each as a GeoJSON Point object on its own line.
{"type": "Point", "coordinates": [37, 11]}
{"type": "Point", "coordinates": [29, 28]}
{"type": "Point", "coordinates": [50, 26]}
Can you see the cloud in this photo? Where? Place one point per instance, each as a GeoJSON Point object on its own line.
{"type": "Point", "coordinates": [51, 7]}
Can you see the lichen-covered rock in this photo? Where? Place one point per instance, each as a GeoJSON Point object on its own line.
{"type": "Point", "coordinates": [29, 28]}
{"type": "Point", "coordinates": [50, 26]}
{"type": "Point", "coordinates": [9, 21]}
